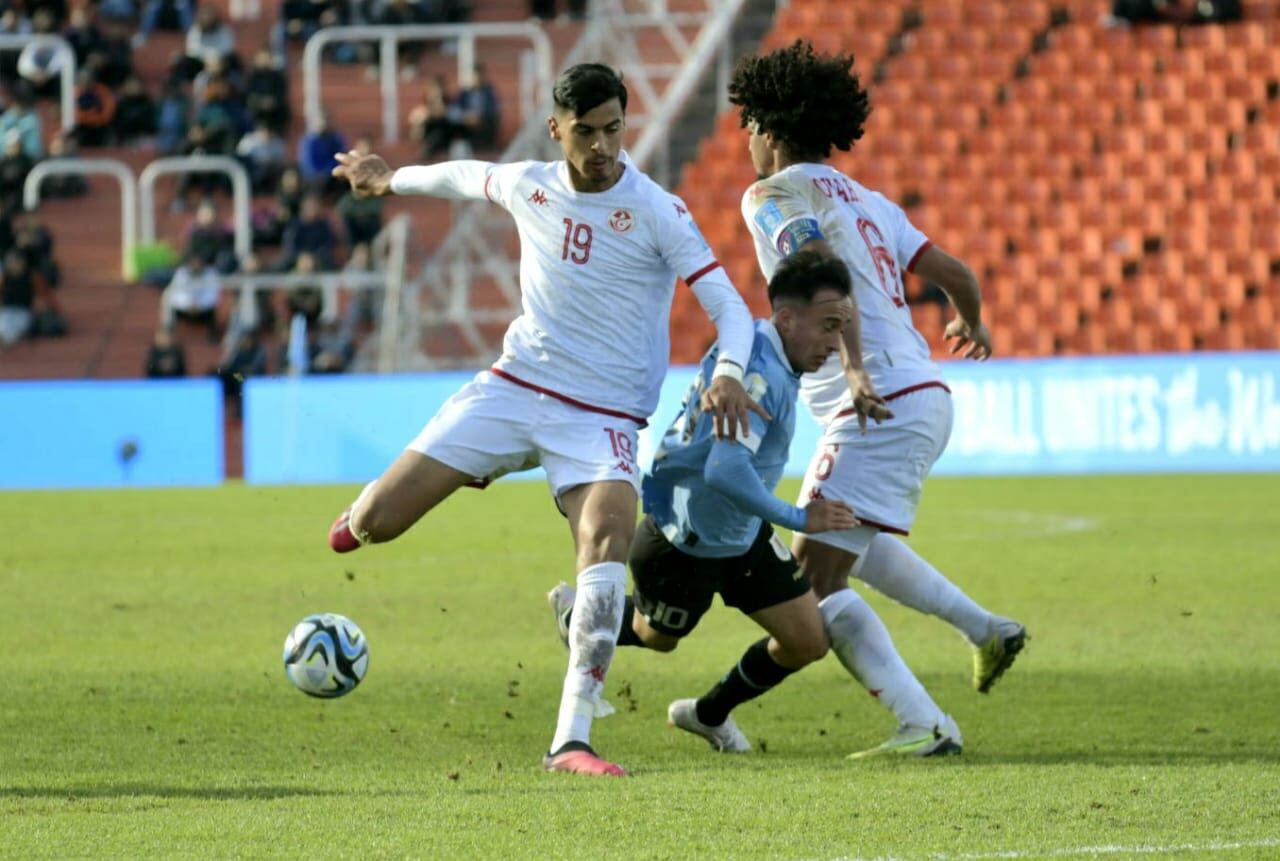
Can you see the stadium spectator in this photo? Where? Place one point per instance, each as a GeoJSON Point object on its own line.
{"type": "Point", "coordinates": [300, 19]}
{"type": "Point", "coordinates": [433, 122]}
{"type": "Point", "coordinates": [22, 118]}
{"type": "Point", "coordinates": [1126, 12]}
{"type": "Point", "coordinates": [63, 145]}
{"type": "Point", "coordinates": [306, 299]}
{"type": "Point", "coordinates": [316, 154]}
{"type": "Point", "coordinates": [112, 62]}
{"type": "Point", "coordinates": [210, 36]}
{"type": "Point", "coordinates": [35, 242]}
{"type": "Point", "coordinates": [95, 110]}
{"type": "Point", "coordinates": [174, 117]}
{"type": "Point", "coordinates": [18, 286]}
{"type": "Point", "coordinates": [311, 234]}
{"type": "Point", "coordinates": [329, 348]}
{"type": "Point", "coordinates": [56, 10]}
{"type": "Point", "coordinates": [262, 152]}
{"type": "Point", "coordinates": [165, 359]}
{"type": "Point", "coordinates": [244, 358]}
{"type": "Point", "coordinates": [136, 112]}
{"type": "Point", "coordinates": [546, 9]}
{"type": "Point", "coordinates": [14, 167]}
{"type": "Point", "coordinates": [211, 240]}
{"type": "Point", "coordinates": [271, 222]}
{"type": "Point", "coordinates": [118, 11]}
{"type": "Point", "coordinates": [40, 63]}
{"type": "Point", "coordinates": [84, 36]}
{"type": "Point", "coordinates": [172, 15]}
{"type": "Point", "coordinates": [478, 110]}
{"type": "Point", "coordinates": [12, 23]}
{"type": "Point", "coordinates": [192, 296]}
{"type": "Point", "coordinates": [267, 92]}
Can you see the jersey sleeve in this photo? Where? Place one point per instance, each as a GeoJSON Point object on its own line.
{"type": "Point", "coordinates": [782, 216]}
{"type": "Point", "coordinates": [501, 181]}
{"type": "Point", "coordinates": [909, 242]}
{"type": "Point", "coordinates": [680, 243]}
{"type": "Point", "coordinates": [460, 180]}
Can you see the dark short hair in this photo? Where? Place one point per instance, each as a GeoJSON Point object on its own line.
{"type": "Point", "coordinates": [810, 102]}
{"type": "Point", "coordinates": [804, 273]}
{"type": "Point", "coordinates": [586, 86]}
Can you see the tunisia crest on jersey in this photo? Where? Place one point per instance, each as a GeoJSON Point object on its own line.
{"type": "Point", "coordinates": [621, 220]}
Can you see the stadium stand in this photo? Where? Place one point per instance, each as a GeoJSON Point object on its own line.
{"type": "Point", "coordinates": [1116, 190]}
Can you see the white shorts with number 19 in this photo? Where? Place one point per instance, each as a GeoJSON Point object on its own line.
{"type": "Point", "coordinates": [496, 424]}
{"type": "Point", "coordinates": [880, 474]}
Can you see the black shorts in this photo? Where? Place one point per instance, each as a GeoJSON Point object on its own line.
{"type": "Point", "coordinates": [674, 589]}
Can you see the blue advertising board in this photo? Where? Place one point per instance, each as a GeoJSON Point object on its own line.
{"type": "Point", "coordinates": [1168, 413]}
{"type": "Point", "coordinates": [99, 433]}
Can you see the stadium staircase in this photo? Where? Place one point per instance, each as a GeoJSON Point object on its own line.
{"type": "Point", "coordinates": [1116, 190]}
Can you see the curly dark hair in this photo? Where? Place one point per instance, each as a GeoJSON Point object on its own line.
{"type": "Point", "coordinates": [808, 101]}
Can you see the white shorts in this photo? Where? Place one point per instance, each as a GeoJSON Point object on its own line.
{"type": "Point", "coordinates": [493, 426]}
{"type": "Point", "coordinates": [880, 475]}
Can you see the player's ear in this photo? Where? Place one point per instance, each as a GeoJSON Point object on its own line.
{"type": "Point", "coordinates": [553, 128]}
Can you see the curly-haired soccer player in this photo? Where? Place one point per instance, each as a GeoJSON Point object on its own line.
{"type": "Point", "coordinates": [798, 106]}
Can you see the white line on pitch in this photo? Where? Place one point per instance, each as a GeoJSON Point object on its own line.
{"type": "Point", "coordinates": [1079, 851]}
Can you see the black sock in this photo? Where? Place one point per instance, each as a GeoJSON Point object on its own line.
{"type": "Point", "coordinates": [627, 634]}
{"type": "Point", "coordinates": [755, 674]}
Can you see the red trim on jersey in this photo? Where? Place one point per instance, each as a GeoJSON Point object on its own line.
{"type": "Point", "coordinates": [703, 271]}
{"type": "Point", "coordinates": [911, 266]}
{"type": "Point", "coordinates": [489, 177]}
{"type": "Point", "coordinates": [935, 384]}
{"type": "Point", "coordinates": [566, 399]}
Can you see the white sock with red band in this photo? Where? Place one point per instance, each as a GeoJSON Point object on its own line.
{"type": "Point", "coordinates": [862, 643]}
{"type": "Point", "coordinates": [892, 568]}
{"type": "Point", "coordinates": [593, 636]}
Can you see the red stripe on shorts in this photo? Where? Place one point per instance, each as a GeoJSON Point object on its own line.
{"type": "Point", "coordinates": [936, 384]}
{"type": "Point", "coordinates": [566, 399]}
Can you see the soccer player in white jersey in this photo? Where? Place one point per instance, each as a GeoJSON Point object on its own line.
{"type": "Point", "coordinates": [601, 247]}
{"type": "Point", "coordinates": [797, 105]}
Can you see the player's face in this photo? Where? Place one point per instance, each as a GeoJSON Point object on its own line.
{"type": "Point", "coordinates": [761, 154]}
{"type": "Point", "coordinates": [812, 333]}
{"type": "Point", "coordinates": [591, 143]}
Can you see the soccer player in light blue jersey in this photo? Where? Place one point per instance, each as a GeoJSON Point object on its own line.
{"type": "Point", "coordinates": [710, 507]}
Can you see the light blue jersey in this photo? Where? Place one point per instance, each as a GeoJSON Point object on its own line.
{"type": "Point", "coordinates": [695, 517]}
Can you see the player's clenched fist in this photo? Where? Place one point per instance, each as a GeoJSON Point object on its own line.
{"type": "Point", "coordinates": [369, 175]}
{"type": "Point", "coordinates": [824, 515]}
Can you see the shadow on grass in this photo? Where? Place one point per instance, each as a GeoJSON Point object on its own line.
{"type": "Point", "coordinates": [151, 790]}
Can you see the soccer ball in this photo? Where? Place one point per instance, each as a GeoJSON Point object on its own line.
{"type": "Point", "coordinates": [326, 655]}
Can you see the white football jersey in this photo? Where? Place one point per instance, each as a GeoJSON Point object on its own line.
{"type": "Point", "coordinates": [597, 274]}
{"type": "Point", "coordinates": [872, 235]}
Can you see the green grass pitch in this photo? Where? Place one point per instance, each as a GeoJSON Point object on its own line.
{"type": "Point", "coordinates": [145, 713]}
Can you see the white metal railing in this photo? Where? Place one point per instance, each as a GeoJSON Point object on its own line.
{"type": "Point", "coordinates": [67, 71]}
{"type": "Point", "coordinates": [328, 282]}
{"type": "Point", "coordinates": [390, 37]}
{"type": "Point", "coordinates": [712, 43]}
{"type": "Point", "coordinates": [179, 164]}
{"type": "Point", "coordinates": [85, 167]}
{"type": "Point", "coordinates": [391, 328]}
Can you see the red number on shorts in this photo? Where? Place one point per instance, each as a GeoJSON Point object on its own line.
{"type": "Point", "coordinates": [620, 442]}
{"type": "Point", "coordinates": [886, 266]}
{"type": "Point", "coordinates": [822, 471]}
{"type": "Point", "coordinates": [580, 236]}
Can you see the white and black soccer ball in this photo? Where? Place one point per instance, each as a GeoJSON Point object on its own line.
{"type": "Point", "coordinates": [326, 655]}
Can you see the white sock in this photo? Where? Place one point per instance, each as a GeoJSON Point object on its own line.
{"type": "Point", "coordinates": [862, 643]}
{"type": "Point", "coordinates": [593, 635]}
{"type": "Point", "coordinates": [894, 569]}
{"type": "Point", "coordinates": [360, 535]}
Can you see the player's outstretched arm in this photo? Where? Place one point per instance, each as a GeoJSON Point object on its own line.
{"type": "Point", "coordinates": [370, 176]}
{"type": "Point", "coordinates": [957, 280]}
{"type": "Point", "coordinates": [730, 473]}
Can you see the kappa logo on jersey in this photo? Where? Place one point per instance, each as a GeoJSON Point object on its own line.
{"type": "Point", "coordinates": [680, 210]}
{"type": "Point", "coordinates": [621, 220]}
{"type": "Point", "coordinates": [539, 197]}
